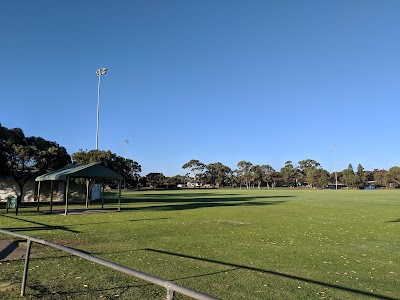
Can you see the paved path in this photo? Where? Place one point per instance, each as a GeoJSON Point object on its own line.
{"type": "Point", "coordinates": [12, 249]}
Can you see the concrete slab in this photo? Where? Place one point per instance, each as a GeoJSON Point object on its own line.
{"type": "Point", "coordinates": [81, 211]}
{"type": "Point", "coordinates": [12, 249]}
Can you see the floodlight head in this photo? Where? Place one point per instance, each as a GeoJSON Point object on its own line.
{"type": "Point", "coordinates": [101, 71]}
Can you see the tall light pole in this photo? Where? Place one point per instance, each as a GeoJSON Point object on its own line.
{"type": "Point", "coordinates": [99, 72]}
{"type": "Point", "coordinates": [126, 142]}
{"type": "Point", "coordinates": [334, 164]}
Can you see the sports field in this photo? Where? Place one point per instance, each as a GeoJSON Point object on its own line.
{"type": "Point", "coordinates": [229, 243]}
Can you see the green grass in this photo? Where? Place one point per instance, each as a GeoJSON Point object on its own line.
{"type": "Point", "coordinates": [230, 243]}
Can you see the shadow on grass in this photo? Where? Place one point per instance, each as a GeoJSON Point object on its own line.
{"type": "Point", "coordinates": [41, 226]}
{"type": "Point", "coordinates": [192, 197]}
{"type": "Point", "coordinates": [237, 266]}
{"type": "Point", "coordinates": [196, 205]}
{"type": "Point", "coordinates": [121, 221]}
{"type": "Point", "coordinates": [170, 201]}
{"type": "Point", "coordinates": [190, 202]}
{"type": "Point", "coordinates": [43, 291]}
{"type": "Point", "coordinates": [395, 221]}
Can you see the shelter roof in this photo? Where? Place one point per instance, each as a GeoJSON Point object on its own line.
{"type": "Point", "coordinates": [93, 170]}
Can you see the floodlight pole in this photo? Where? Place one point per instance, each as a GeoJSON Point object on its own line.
{"type": "Point", "coordinates": [126, 142]}
{"type": "Point", "coordinates": [334, 163]}
{"type": "Point", "coordinates": [99, 72]}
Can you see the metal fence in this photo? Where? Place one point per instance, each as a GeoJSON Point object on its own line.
{"type": "Point", "coordinates": [170, 286]}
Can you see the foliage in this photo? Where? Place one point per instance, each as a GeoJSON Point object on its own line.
{"type": "Point", "coordinates": [126, 167]}
{"type": "Point", "coordinates": [393, 176]}
{"type": "Point", "coordinates": [196, 167]}
{"type": "Point", "coordinates": [361, 176]}
{"type": "Point", "coordinates": [155, 179]}
{"type": "Point", "coordinates": [348, 177]}
{"type": "Point", "coordinates": [216, 173]}
{"type": "Point", "coordinates": [24, 158]}
{"type": "Point", "coordinates": [245, 173]}
{"type": "Point", "coordinates": [288, 173]}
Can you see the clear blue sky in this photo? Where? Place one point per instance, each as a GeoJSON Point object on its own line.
{"type": "Point", "coordinates": [262, 81]}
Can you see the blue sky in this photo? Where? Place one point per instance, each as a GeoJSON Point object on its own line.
{"type": "Point", "coordinates": [262, 81]}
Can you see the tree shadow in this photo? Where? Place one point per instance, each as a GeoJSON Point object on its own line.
{"type": "Point", "coordinates": [42, 226]}
{"type": "Point", "coordinates": [122, 221]}
{"type": "Point", "coordinates": [190, 202]}
{"type": "Point", "coordinates": [294, 277]}
{"type": "Point", "coordinates": [394, 221]}
{"type": "Point", "coordinates": [197, 197]}
{"type": "Point", "coordinates": [196, 205]}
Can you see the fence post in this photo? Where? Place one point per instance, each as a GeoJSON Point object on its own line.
{"type": "Point", "coordinates": [25, 275]}
{"type": "Point", "coordinates": [170, 291]}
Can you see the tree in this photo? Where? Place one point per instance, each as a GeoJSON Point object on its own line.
{"type": "Point", "coordinates": [311, 176]}
{"type": "Point", "coordinates": [361, 176]}
{"type": "Point", "coordinates": [308, 168]}
{"type": "Point", "coordinates": [276, 178]}
{"type": "Point", "coordinates": [379, 177]}
{"type": "Point", "coordinates": [348, 177]}
{"type": "Point", "coordinates": [288, 173]}
{"type": "Point", "coordinates": [258, 175]}
{"type": "Point", "coordinates": [174, 180]}
{"type": "Point", "coordinates": [321, 178]}
{"type": "Point", "coordinates": [216, 173]}
{"type": "Point", "coordinates": [393, 176]}
{"type": "Point", "coordinates": [155, 179]}
{"type": "Point", "coordinates": [308, 164]}
{"type": "Point", "coordinates": [268, 175]}
{"type": "Point", "coordinates": [24, 158]}
{"type": "Point", "coordinates": [196, 167]}
{"type": "Point", "coordinates": [128, 168]}
{"type": "Point", "coordinates": [232, 177]}
{"type": "Point", "coordinates": [244, 172]}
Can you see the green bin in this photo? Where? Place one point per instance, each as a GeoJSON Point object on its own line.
{"type": "Point", "coordinates": [12, 202]}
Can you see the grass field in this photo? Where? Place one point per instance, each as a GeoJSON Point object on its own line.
{"type": "Point", "coordinates": [229, 243]}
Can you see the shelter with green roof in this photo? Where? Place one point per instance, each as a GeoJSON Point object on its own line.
{"type": "Point", "coordinates": [93, 171]}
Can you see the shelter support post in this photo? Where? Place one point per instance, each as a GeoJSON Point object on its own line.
{"type": "Point", "coordinates": [87, 193]}
{"type": "Point", "coordinates": [38, 196]}
{"type": "Point", "coordinates": [66, 197]}
{"type": "Point", "coordinates": [119, 195]}
{"type": "Point", "coordinates": [102, 196]}
{"type": "Point", "coordinates": [51, 196]}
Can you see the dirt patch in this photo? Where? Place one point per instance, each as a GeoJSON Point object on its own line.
{"type": "Point", "coordinates": [232, 222]}
{"type": "Point", "coordinates": [8, 286]}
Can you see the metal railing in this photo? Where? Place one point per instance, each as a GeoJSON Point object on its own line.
{"type": "Point", "coordinates": [170, 286]}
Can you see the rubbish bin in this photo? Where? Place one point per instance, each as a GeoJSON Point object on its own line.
{"type": "Point", "coordinates": [12, 202]}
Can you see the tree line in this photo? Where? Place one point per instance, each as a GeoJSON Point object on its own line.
{"type": "Point", "coordinates": [306, 172]}
{"type": "Point", "coordinates": [23, 158]}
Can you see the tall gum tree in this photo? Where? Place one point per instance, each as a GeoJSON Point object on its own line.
{"type": "Point", "coordinates": [245, 173]}
{"type": "Point", "coordinates": [196, 167]}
